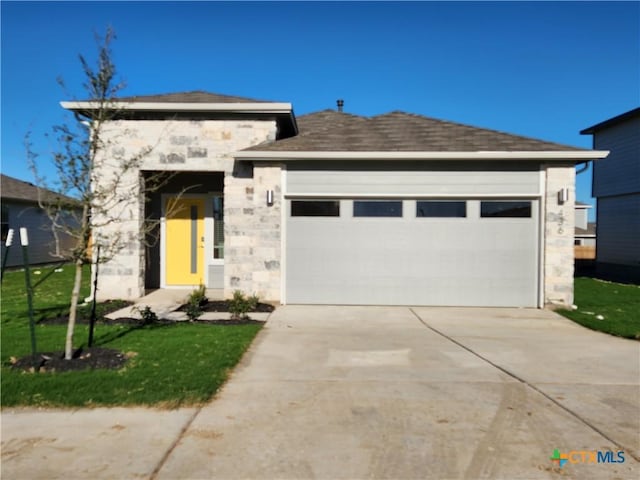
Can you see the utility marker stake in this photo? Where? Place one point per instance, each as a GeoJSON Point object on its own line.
{"type": "Point", "coordinates": [24, 241]}
{"type": "Point", "coordinates": [7, 245]}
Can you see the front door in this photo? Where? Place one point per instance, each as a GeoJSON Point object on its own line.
{"type": "Point", "coordinates": [184, 247]}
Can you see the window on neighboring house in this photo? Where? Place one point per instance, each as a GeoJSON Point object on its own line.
{"type": "Point", "coordinates": [5, 222]}
{"type": "Point", "coordinates": [505, 209]}
{"type": "Point", "coordinates": [577, 241]}
{"type": "Point", "coordinates": [441, 209]}
{"type": "Point", "coordinates": [377, 208]}
{"type": "Point", "coordinates": [315, 208]}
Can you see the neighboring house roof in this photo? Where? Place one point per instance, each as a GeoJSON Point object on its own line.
{"type": "Point", "coordinates": [14, 189]}
{"type": "Point", "coordinates": [582, 205]}
{"type": "Point", "coordinates": [195, 96]}
{"type": "Point", "coordinates": [397, 131]}
{"type": "Point", "coordinates": [590, 231]}
{"type": "Point", "coordinates": [612, 121]}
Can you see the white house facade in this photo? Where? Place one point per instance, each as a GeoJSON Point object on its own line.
{"type": "Point", "coordinates": [335, 208]}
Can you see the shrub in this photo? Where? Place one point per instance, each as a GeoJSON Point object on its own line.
{"type": "Point", "coordinates": [194, 303]}
{"type": "Point", "coordinates": [240, 305]}
{"type": "Point", "coordinates": [253, 302]}
{"type": "Point", "coordinates": [147, 315]}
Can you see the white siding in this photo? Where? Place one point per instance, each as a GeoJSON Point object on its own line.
{"type": "Point", "coordinates": [581, 218]}
{"type": "Point", "coordinates": [412, 178]}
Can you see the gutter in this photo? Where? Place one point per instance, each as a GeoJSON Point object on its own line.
{"type": "Point", "coordinates": [560, 156]}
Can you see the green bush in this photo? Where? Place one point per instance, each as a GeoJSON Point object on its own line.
{"type": "Point", "coordinates": [194, 303]}
{"type": "Point", "coordinates": [240, 305]}
{"type": "Point", "coordinates": [147, 315]}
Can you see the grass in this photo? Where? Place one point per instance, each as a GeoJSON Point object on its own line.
{"type": "Point", "coordinates": [170, 365]}
{"type": "Point", "coordinates": [619, 305]}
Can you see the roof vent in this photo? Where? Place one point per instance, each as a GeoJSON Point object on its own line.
{"type": "Point", "coordinates": [340, 104]}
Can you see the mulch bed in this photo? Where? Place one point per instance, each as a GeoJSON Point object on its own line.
{"type": "Point", "coordinates": [223, 306]}
{"type": "Point", "coordinates": [228, 321]}
{"type": "Point", "coordinates": [220, 306]}
{"type": "Point", "coordinates": [83, 359]}
{"type": "Point", "coordinates": [84, 314]}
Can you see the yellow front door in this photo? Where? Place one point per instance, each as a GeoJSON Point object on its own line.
{"type": "Point", "coordinates": [184, 246]}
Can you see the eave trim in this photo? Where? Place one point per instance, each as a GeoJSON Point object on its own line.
{"type": "Point", "coordinates": [562, 155]}
{"type": "Point", "coordinates": [183, 107]}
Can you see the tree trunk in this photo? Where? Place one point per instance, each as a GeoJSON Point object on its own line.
{"type": "Point", "coordinates": [73, 311]}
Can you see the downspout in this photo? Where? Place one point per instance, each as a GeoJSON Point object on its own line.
{"type": "Point", "coordinates": [583, 169]}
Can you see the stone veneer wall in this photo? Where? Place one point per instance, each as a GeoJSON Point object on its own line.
{"type": "Point", "coordinates": [252, 231]}
{"type": "Point", "coordinates": [558, 238]}
{"type": "Point", "coordinates": [187, 145]}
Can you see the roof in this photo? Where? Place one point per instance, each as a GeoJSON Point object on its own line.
{"type": "Point", "coordinates": [14, 189]}
{"type": "Point", "coordinates": [612, 121]}
{"type": "Point", "coordinates": [193, 105]}
{"type": "Point", "coordinates": [195, 96]}
{"type": "Point", "coordinates": [582, 205]}
{"type": "Point", "coordinates": [590, 231]}
{"type": "Point", "coordinates": [398, 131]}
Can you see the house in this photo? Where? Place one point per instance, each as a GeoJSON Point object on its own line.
{"type": "Point", "coordinates": [584, 236]}
{"type": "Point", "coordinates": [585, 231]}
{"type": "Point", "coordinates": [616, 186]}
{"type": "Point", "coordinates": [20, 208]}
{"type": "Point", "coordinates": [337, 208]}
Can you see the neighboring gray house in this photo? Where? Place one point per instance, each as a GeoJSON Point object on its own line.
{"type": "Point", "coordinates": [20, 208]}
{"type": "Point", "coordinates": [336, 208]}
{"type": "Point", "coordinates": [585, 231]}
{"type": "Point", "coordinates": [616, 185]}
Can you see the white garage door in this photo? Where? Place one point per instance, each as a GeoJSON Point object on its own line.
{"type": "Point", "coordinates": [460, 251]}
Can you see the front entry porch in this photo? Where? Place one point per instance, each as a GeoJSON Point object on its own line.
{"type": "Point", "coordinates": [164, 302]}
{"type": "Point", "coordinates": [185, 248]}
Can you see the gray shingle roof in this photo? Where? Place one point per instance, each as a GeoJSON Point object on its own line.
{"type": "Point", "coordinates": [329, 130]}
{"type": "Point", "coordinates": [14, 189]}
{"type": "Point", "coordinates": [196, 96]}
{"type": "Point", "coordinates": [623, 117]}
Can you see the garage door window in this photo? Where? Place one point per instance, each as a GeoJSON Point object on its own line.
{"type": "Point", "coordinates": [377, 208]}
{"type": "Point", "coordinates": [505, 209]}
{"type": "Point", "coordinates": [315, 208]}
{"type": "Point", "coordinates": [441, 209]}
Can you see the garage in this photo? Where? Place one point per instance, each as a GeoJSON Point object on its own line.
{"type": "Point", "coordinates": [412, 233]}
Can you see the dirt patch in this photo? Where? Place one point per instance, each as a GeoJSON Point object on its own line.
{"type": "Point", "coordinates": [83, 359]}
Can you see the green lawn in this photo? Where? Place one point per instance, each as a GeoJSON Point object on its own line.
{"type": "Point", "coordinates": [170, 365]}
{"type": "Point", "coordinates": [619, 305]}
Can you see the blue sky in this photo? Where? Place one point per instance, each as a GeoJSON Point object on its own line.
{"type": "Point", "coordinates": [540, 69]}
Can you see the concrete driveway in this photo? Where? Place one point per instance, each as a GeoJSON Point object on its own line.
{"type": "Point", "coordinates": [377, 392]}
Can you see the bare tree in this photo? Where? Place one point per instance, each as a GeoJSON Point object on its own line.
{"type": "Point", "coordinates": [86, 150]}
